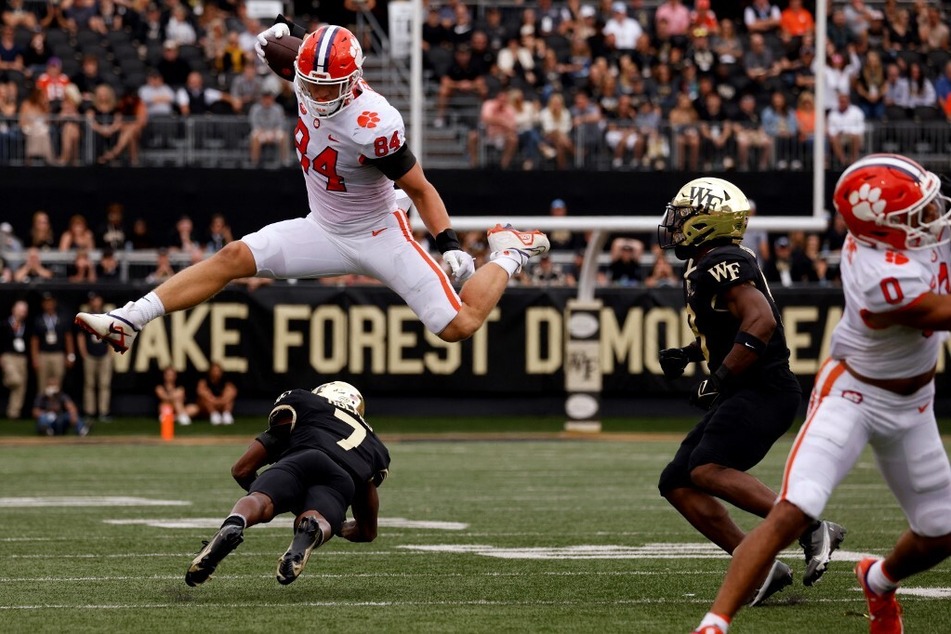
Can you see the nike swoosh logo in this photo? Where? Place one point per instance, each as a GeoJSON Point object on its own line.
{"type": "Point", "coordinates": [378, 231]}
{"type": "Point", "coordinates": [923, 408]}
{"type": "Point", "coordinates": [331, 137]}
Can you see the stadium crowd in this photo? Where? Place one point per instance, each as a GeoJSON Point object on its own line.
{"type": "Point", "coordinates": [539, 84]}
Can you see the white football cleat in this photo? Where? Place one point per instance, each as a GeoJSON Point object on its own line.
{"type": "Point", "coordinates": [528, 243]}
{"type": "Point", "coordinates": [109, 327]}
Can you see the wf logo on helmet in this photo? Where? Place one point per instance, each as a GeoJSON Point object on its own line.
{"type": "Point", "coordinates": [704, 197]}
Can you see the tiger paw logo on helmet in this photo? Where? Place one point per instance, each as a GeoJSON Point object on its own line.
{"type": "Point", "coordinates": [368, 119]}
{"type": "Point", "coordinates": [867, 202]}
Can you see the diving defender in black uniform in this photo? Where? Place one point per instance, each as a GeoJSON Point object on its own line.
{"type": "Point", "coordinates": [324, 459]}
{"type": "Point", "coordinates": [751, 396]}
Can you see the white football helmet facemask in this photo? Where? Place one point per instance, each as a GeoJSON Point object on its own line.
{"type": "Point", "coordinates": [343, 395]}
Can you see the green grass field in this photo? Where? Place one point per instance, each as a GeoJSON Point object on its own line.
{"type": "Point", "coordinates": [476, 536]}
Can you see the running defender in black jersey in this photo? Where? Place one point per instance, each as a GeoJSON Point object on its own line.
{"type": "Point", "coordinates": [324, 459]}
{"type": "Point", "coordinates": [751, 397]}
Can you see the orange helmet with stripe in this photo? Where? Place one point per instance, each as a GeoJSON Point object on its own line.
{"type": "Point", "coordinates": [328, 67]}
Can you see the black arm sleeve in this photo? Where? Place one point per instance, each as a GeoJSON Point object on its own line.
{"type": "Point", "coordinates": [396, 165]}
{"type": "Point", "coordinates": [296, 30]}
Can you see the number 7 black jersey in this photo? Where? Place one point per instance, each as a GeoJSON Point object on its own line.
{"type": "Point", "coordinates": [705, 281]}
{"type": "Point", "coordinates": [316, 423]}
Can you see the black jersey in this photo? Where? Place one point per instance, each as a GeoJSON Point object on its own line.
{"type": "Point", "coordinates": [715, 327]}
{"type": "Point", "coordinates": [319, 424]}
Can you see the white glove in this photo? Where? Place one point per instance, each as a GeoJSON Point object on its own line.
{"type": "Point", "coordinates": [460, 263]}
{"type": "Point", "coordinates": [276, 31]}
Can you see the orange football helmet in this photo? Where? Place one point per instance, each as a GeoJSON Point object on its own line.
{"type": "Point", "coordinates": [891, 200]}
{"type": "Point", "coordinates": [328, 67]}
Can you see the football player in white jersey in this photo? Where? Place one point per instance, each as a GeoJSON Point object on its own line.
{"type": "Point", "coordinates": [877, 388]}
{"type": "Point", "coordinates": [352, 148]}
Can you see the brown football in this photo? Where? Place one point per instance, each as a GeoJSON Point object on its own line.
{"type": "Point", "coordinates": [281, 53]}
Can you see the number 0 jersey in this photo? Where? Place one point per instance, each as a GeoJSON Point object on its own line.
{"type": "Point", "coordinates": [343, 187]}
{"type": "Point", "coordinates": [316, 423]}
{"type": "Point", "coordinates": [880, 280]}
{"type": "Point", "coordinates": [705, 280]}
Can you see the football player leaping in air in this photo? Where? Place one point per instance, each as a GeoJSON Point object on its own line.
{"type": "Point", "coordinates": [752, 396]}
{"type": "Point", "coordinates": [352, 147]}
{"type": "Point", "coordinates": [876, 388]}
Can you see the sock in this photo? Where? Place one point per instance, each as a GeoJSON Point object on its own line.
{"type": "Point", "coordinates": [878, 580]}
{"type": "Point", "coordinates": [715, 619]}
{"type": "Point", "coordinates": [509, 260]}
{"type": "Point", "coordinates": [235, 519]}
{"type": "Point", "coordinates": [143, 310]}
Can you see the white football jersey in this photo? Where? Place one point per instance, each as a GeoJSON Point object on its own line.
{"type": "Point", "coordinates": [881, 280]}
{"type": "Point", "coordinates": [343, 190]}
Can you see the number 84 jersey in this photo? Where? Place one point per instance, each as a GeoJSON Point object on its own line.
{"type": "Point", "coordinates": [316, 423]}
{"type": "Point", "coordinates": [881, 280]}
{"type": "Point", "coordinates": [336, 154]}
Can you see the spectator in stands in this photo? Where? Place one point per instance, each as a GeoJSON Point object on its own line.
{"type": "Point", "coordinates": [82, 15]}
{"type": "Point", "coordinates": [105, 121]}
{"type": "Point", "coordinates": [662, 273]}
{"type": "Point", "coordinates": [133, 117]}
{"type": "Point", "coordinates": [563, 240]}
{"type": "Point", "coordinates": [52, 346]}
{"type": "Point", "coordinates": [113, 232]}
{"type": "Point", "coordinates": [625, 267]}
{"type": "Point", "coordinates": [727, 44]}
{"type": "Point", "coordinates": [183, 238]}
{"type": "Point", "coordinates": [703, 19]}
{"type": "Point", "coordinates": [78, 235]}
{"type": "Point", "coordinates": [756, 240]}
{"type": "Point", "coordinates": [527, 123]}
{"type": "Point", "coordinates": [87, 79]}
{"type": "Point", "coordinates": [11, 56]}
{"type": "Point", "coordinates": [15, 14]}
{"type": "Point", "coordinates": [32, 269]}
{"type": "Point", "coordinates": [9, 242]}
{"type": "Point", "coordinates": [70, 123]}
{"type": "Point", "coordinates": [55, 412]}
{"type": "Point", "coordinates": [836, 234]}
{"type": "Point", "coordinates": [677, 18]}
{"type": "Point", "coordinates": [233, 58]}
{"type": "Point", "coordinates": [462, 28]}
{"type": "Point", "coordinates": [762, 17]}
{"type": "Point", "coordinates": [893, 78]}
{"type": "Point", "coordinates": [34, 122]}
{"type": "Point", "coordinates": [113, 16]}
{"type": "Point", "coordinates": [685, 127]}
{"type": "Point", "coordinates": [141, 236]}
{"type": "Point", "coordinates": [163, 268]}
{"type": "Point", "coordinates": [779, 123]}
{"type": "Point", "coordinates": [170, 393]}
{"type": "Point", "coordinates": [214, 43]}
{"type": "Point", "coordinates": [462, 77]}
{"type": "Point", "coordinates": [107, 269]}
{"type": "Point", "coordinates": [869, 87]}
{"type": "Point", "coordinates": [858, 17]}
{"type": "Point", "coordinates": [901, 35]}
{"type": "Point", "coordinates": [588, 124]}
{"type": "Point", "coordinates": [178, 27]}
{"type": "Point", "coordinates": [82, 270]}
{"type": "Point", "coordinates": [557, 130]}
{"type": "Point", "coordinates": [761, 66]}
{"type": "Point", "coordinates": [654, 141]}
{"type": "Point", "coordinates": [268, 127]}
{"type": "Point", "coordinates": [846, 129]}
{"type": "Point", "coordinates": [219, 234]}
{"type": "Point", "coordinates": [175, 70]}
{"type": "Point", "coordinates": [41, 232]}
{"type": "Point", "coordinates": [788, 266]}
{"type": "Point", "coordinates": [622, 135]}
{"type": "Point", "coordinates": [751, 135]}
{"type": "Point", "coordinates": [499, 129]}
{"type": "Point", "coordinates": [494, 27]}
{"type": "Point", "coordinates": [246, 89]}
{"type": "Point", "coordinates": [149, 29]}
{"type": "Point", "coordinates": [934, 33]}
{"type": "Point", "coordinates": [840, 38]}
{"type": "Point", "coordinates": [53, 83]}
{"type": "Point", "coordinates": [216, 396]}
{"type": "Point", "coordinates": [194, 98]}
{"type": "Point", "coordinates": [97, 369]}
{"type": "Point", "coordinates": [158, 97]}
{"type": "Point", "coordinates": [10, 135]}
{"type": "Point", "coordinates": [716, 133]}
{"type": "Point", "coordinates": [795, 21]}
{"type": "Point", "coordinates": [546, 272]}
{"type": "Point", "coordinates": [621, 32]}
{"type": "Point", "coordinates": [516, 63]}
{"type": "Point", "coordinates": [36, 54]}
{"type": "Point", "coordinates": [803, 73]}
{"type": "Point", "coordinates": [55, 17]}
{"type": "Point", "coordinates": [915, 90]}
{"type": "Point", "coordinates": [13, 357]}
{"type": "Point", "coordinates": [943, 90]}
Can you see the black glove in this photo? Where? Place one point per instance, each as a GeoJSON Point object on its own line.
{"type": "Point", "coordinates": [706, 394]}
{"type": "Point", "coordinates": [674, 360]}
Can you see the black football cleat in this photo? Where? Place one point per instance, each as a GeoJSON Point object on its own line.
{"type": "Point", "coordinates": [225, 540]}
{"type": "Point", "coordinates": [307, 537]}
